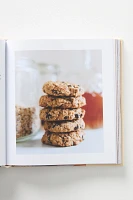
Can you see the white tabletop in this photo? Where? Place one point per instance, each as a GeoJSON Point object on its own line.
{"type": "Point", "coordinates": [92, 143]}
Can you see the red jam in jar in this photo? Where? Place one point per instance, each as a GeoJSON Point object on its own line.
{"type": "Point", "coordinates": [94, 110]}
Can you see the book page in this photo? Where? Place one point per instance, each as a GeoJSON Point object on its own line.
{"type": "Point", "coordinates": [72, 118]}
{"type": "Point", "coordinates": [2, 105]}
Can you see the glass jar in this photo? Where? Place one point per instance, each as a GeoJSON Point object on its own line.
{"type": "Point", "coordinates": [27, 95]}
{"type": "Point", "coordinates": [90, 77]}
{"type": "Point", "coordinates": [93, 91]}
{"type": "Point", "coordinates": [48, 72]}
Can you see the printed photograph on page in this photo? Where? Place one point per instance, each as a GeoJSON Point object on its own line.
{"type": "Point", "coordinates": [59, 102]}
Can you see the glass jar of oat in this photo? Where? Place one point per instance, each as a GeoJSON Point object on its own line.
{"type": "Point", "coordinates": [26, 97]}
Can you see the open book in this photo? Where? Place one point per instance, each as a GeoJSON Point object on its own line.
{"type": "Point", "coordinates": [60, 102]}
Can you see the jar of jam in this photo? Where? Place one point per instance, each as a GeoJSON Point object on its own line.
{"type": "Point", "coordinates": [89, 75]}
{"type": "Point", "coordinates": [93, 93]}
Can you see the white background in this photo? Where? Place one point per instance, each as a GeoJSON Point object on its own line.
{"type": "Point", "coordinates": [73, 19]}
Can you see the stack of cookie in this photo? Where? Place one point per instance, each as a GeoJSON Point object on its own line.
{"type": "Point", "coordinates": [62, 114]}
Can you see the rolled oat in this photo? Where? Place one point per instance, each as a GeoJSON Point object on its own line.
{"type": "Point", "coordinates": [26, 121]}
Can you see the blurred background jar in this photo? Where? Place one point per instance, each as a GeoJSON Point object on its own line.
{"type": "Point", "coordinates": [48, 72]}
{"type": "Point", "coordinates": [89, 75]}
{"type": "Point", "coordinates": [93, 93]}
{"type": "Point", "coordinates": [27, 93]}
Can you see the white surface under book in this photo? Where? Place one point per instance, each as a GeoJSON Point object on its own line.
{"type": "Point", "coordinates": [25, 66]}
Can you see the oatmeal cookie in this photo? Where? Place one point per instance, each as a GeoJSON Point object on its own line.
{"type": "Point", "coordinates": [64, 126]}
{"type": "Point", "coordinates": [59, 88]}
{"type": "Point", "coordinates": [57, 114]}
{"type": "Point", "coordinates": [62, 102]}
{"type": "Point", "coordinates": [63, 139]}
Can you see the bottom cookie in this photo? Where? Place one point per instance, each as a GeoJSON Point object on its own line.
{"type": "Point", "coordinates": [63, 139]}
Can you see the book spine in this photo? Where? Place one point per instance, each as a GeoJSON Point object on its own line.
{"type": "Point", "coordinates": [2, 105]}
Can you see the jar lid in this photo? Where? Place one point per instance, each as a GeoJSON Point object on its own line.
{"type": "Point", "coordinates": [48, 68]}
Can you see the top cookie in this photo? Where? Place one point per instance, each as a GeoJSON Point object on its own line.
{"type": "Point", "coordinates": [62, 89]}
